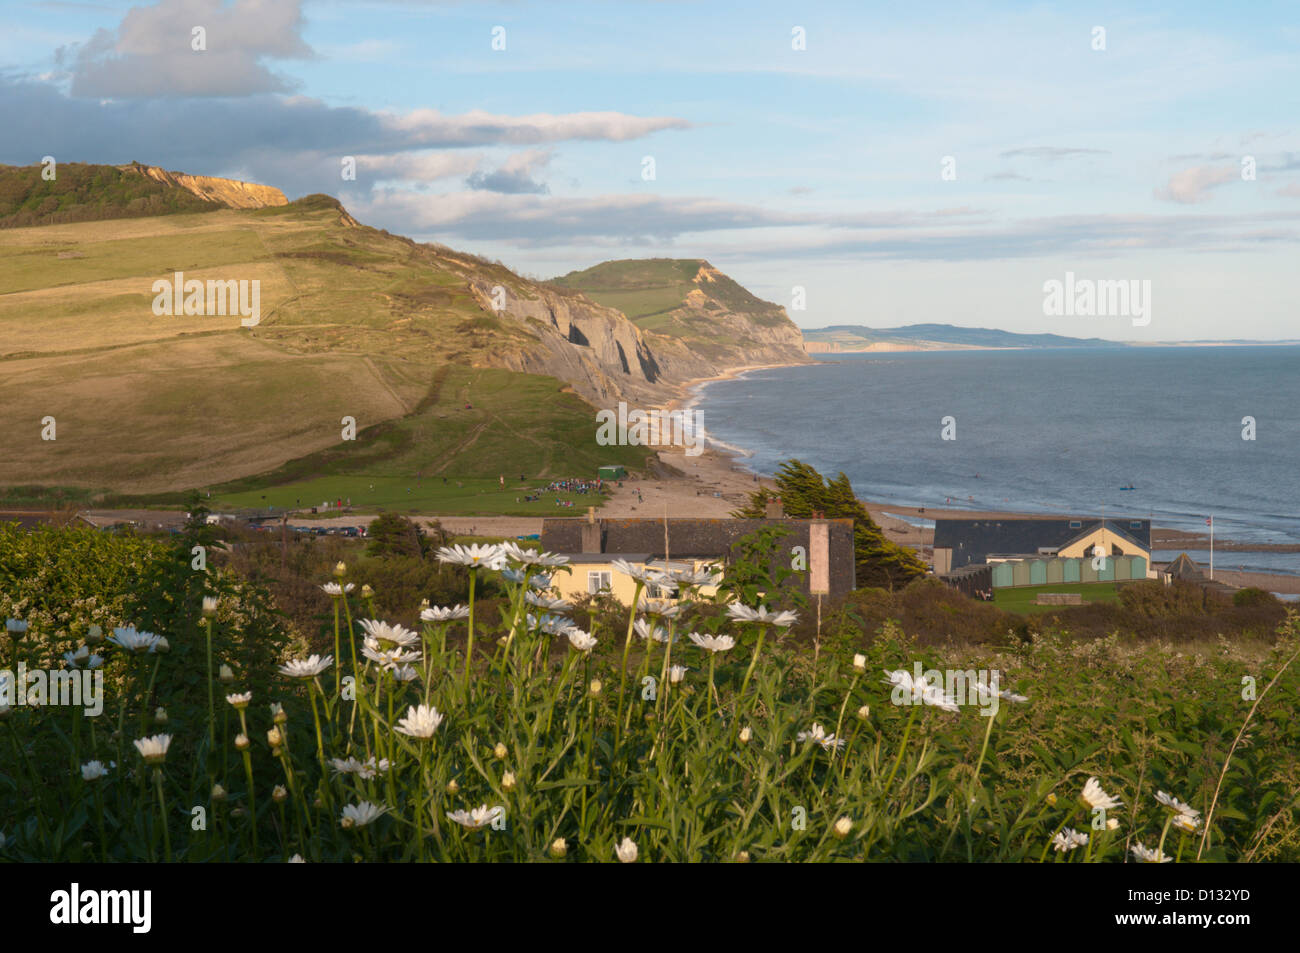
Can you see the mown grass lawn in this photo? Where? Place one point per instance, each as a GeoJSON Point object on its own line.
{"type": "Point", "coordinates": [1021, 599]}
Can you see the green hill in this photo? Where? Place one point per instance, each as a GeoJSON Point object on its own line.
{"type": "Point", "coordinates": [450, 365]}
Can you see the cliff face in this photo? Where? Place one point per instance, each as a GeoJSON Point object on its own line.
{"type": "Point", "coordinates": [229, 192]}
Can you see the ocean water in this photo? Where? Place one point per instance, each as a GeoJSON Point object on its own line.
{"type": "Point", "coordinates": [1041, 431]}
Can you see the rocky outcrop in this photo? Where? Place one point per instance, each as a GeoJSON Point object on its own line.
{"type": "Point", "coordinates": [229, 192]}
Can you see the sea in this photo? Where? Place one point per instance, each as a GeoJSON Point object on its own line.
{"type": "Point", "coordinates": [1196, 432]}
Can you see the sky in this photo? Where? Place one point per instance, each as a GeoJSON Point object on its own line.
{"type": "Point", "coordinates": [872, 164]}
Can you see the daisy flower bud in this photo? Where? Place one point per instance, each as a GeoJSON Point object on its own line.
{"type": "Point", "coordinates": [94, 635]}
{"type": "Point", "coordinates": [367, 592]}
{"type": "Point", "coordinates": [340, 569]}
{"type": "Point", "coordinates": [225, 675]}
{"type": "Point", "coordinates": [452, 786]}
{"type": "Point", "coordinates": [842, 827]}
{"type": "Point", "coordinates": [209, 606]}
{"type": "Point", "coordinates": [218, 792]}
{"type": "Point", "coordinates": [274, 738]}
{"type": "Point", "coordinates": [242, 742]}
{"type": "Point", "coordinates": [499, 752]}
{"type": "Point", "coordinates": [864, 712]}
{"type": "Point", "coordinates": [278, 714]}
{"type": "Point", "coordinates": [595, 686]}
{"type": "Point", "coordinates": [859, 663]}
{"type": "Point", "coordinates": [508, 781]}
{"type": "Point", "coordinates": [742, 857]}
{"type": "Point", "coordinates": [279, 793]}
{"type": "Point", "coordinates": [559, 848]}
{"type": "Point", "coordinates": [160, 715]}
{"type": "Point", "coordinates": [745, 735]}
{"type": "Point", "coordinates": [1051, 800]}
{"type": "Point", "coordinates": [163, 646]}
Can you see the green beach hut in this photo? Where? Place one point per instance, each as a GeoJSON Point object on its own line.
{"type": "Point", "coordinates": [612, 471]}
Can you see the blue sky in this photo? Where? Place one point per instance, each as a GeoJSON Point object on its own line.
{"type": "Point", "coordinates": [819, 168]}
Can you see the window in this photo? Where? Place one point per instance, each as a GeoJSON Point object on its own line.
{"type": "Point", "coordinates": [653, 591]}
{"type": "Point", "coordinates": [597, 581]}
{"type": "Point", "coordinates": [1076, 524]}
{"type": "Point", "coordinates": [1134, 524]}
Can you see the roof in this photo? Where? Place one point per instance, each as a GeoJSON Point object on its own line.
{"type": "Point", "coordinates": [974, 540]}
{"type": "Point", "coordinates": [1184, 567]}
{"type": "Point", "coordinates": [687, 538]}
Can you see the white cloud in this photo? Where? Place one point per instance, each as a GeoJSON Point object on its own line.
{"type": "Point", "coordinates": [1192, 185]}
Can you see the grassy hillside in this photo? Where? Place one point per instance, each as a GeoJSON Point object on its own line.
{"type": "Point", "coordinates": [83, 193]}
{"type": "Point", "coordinates": [355, 322]}
{"type": "Point", "coordinates": [687, 299]}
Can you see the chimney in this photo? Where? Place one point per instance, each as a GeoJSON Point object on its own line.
{"type": "Point", "coordinates": [591, 535]}
{"type": "Point", "coordinates": [773, 509]}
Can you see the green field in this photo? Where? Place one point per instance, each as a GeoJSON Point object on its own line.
{"type": "Point", "coordinates": [1021, 598]}
{"type": "Point", "coordinates": [456, 497]}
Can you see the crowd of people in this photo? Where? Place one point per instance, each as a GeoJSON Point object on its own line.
{"type": "Point", "coordinates": [571, 486]}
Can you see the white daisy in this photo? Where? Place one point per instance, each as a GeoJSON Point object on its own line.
{"type": "Point", "coordinates": [762, 616]}
{"type": "Point", "coordinates": [478, 818]}
{"type": "Point", "coordinates": [388, 636]}
{"type": "Point", "coordinates": [240, 699]}
{"type": "Point", "coordinates": [335, 590]}
{"type": "Point", "coordinates": [626, 851]}
{"type": "Point", "coordinates": [154, 749]}
{"type": "Point", "coordinates": [545, 602]}
{"type": "Point", "coordinates": [818, 734]}
{"type": "Point", "coordinates": [1175, 805]}
{"type": "Point", "coordinates": [1095, 797]}
{"type": "Point", "coordinates": [550, 624]}
{"type": "Point", "coordinates": [138, 642]}
{"type": "Point", "coordinates": [642, 574]}
{"type": "Point", "coordinates": [659, 607]}
{"type": "Point", "coordinates": [83, 659]}
{"type": "Point", "coordinates": [420, 722]}
{"type": "Point", "coordinates": [676, 673]}
{"type": "Point", "coordinates": [580, 640]}
{"type": "Point", "coordinates": [444, 613]}
{"type": "Point", "coordinates": [531, 557]}
{"type": "Point", "coordinates": [648, 630]}
{"type": "Point", "coordinates": [474, 556]}
{"type": "Point", "coordinates": [93, 770]}
{"type": "Point", "coordinates": [713, 643]}
{"type": "Point", "coordinates": [1068, 839]}
{"type": "Point", "coordinates": [359, 815]}
{"type": "Point", "coordinates": [1146, 856]}
{"type": "Point", "coordinates": [309, 667]}
{"type": "Point", "coordinates": [919, 691]}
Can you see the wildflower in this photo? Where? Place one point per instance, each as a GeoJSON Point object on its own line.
{"type": "Point", "coordinates": [1095, 797]}
{"type": "Point", "coordinates": [762, 616]}
{"type": "Point", "coordinates": [278, 793]}
{"type": "Point", "coordinates": [1146, 856]}
{"type": "Point", "coordinates": [163, 646]}
{"type": "Point", "coordinates": [859, 663]}
{"type": "Point", "coordinates": [371, 769]}
{"type": "Point", "coordinates": [659, 607]}
{"type": "Point", "coordinates": [160, 715]}
{"type": "Point", "coordinates": [452, 786]}
{"type": "Point", "coordinates": [359, 815]}
{"type": "Point", "coordinates": [444, 613]}
{"type": "Point", "coordinates": [692, 579]}
{"type": "Point", "coordinates": [388, 636]}
{"type": "Point", "coordinates": [580, 640]}
{"type": "Point", "coordinates": [508, 781]}
{"type": "Point", "coordinates": [1051, 800]}
{"type": "Point", "coordinates": [842, 827]}
{"type": "Point", "coordinates": [919, 691]}
{"type": "Point", "coordinates": [713, 643]}
{"type": "Point", "coordinates": [550, 624]}
{"type": "Point", "coordinates": [388, 658]}
{"type": "Point", "coordinates": [209, 605]}
{"type": "Point", "coordinates": [478, 818]}
{"type": "Point", "coordinates": [864, 712]}
{"type": "Point", "coordinates": [308, 667]}
{"type": "Point", "coordinates": [94, 635]}
{"type": "Point", "coordinates": [545, 602]}
{"type": "Point", "coordinates": [225, 675]}
{"type": "Point", "coordinates": [296, 859]}
{"type": "Point", "coordinates": [531, 557]}
{"type": "Point", "coordinates": [676, 673]}
{"type": "Point", "coordinates": [987, 691]}
{"type": "Point", "coordinates": [274, 738]}
{"type": "Point", "coordinates": [559, 848]}
{"type": "Point", "coordinates": [818, 734]}
{"type": "Point", "coordinates": [1112, 824]}
{"type": "Point", "coordinates": [642, 574]}
{"type": "Point", "coordinates": [340, 569]}
{"type": "Point", "coordinates": [334, 590]}
{"type": "Point", "coordinates": [406, 673]}
{"type": "Point", "coordinates": [218, 792]}
{"type": "Point", "coordinates": [242, 742]}
{"type": "Point", "coordinates": [133, 641]}
{"type": "Point", "coordinates": [93, 771]}
{"type": "Point", "coordinates": [278, 714]}
{"type": "Point", "coordinates": [345, 765]}
{"type": "Point", "coordinates": [500, 751]}
{"type": "Point", "coordinates": [626, 851]}
{"type": "Point", "coordinates": [1175, 805]}
{"type": "Point", "coordinates": [474, 556]}
{"type": "Point", "coordinates": [16, 628]}
{"type": "Point", "coordinates": [595, 686]}
{"type": "Point", "coordinates": [367, 592]}
{"type": "Point", "coordinates": [1068, 839]}
{"type": "Point", "coordinates": [154, 749]}
{"type": "Point", "coordinates": [240, 700]}
{"type": "Point", "coordinates": [745, 735]}
{"type": "Point", "coordinates": [420, 722]}
{"type": "Point", "coordinates": [83, 659]}
{"type": "Point", "coordinates": [742, 857]}
{"type": "Point", "coordinates": [649, 631]}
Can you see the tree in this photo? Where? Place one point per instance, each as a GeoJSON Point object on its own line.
{"type": "Point", "coordinates": [393, 535]}
{"type": "Point", "coordinates": [806, 494]}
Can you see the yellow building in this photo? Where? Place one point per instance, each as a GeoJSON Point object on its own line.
{"type": "Point", "coordinates": [593, 573]}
